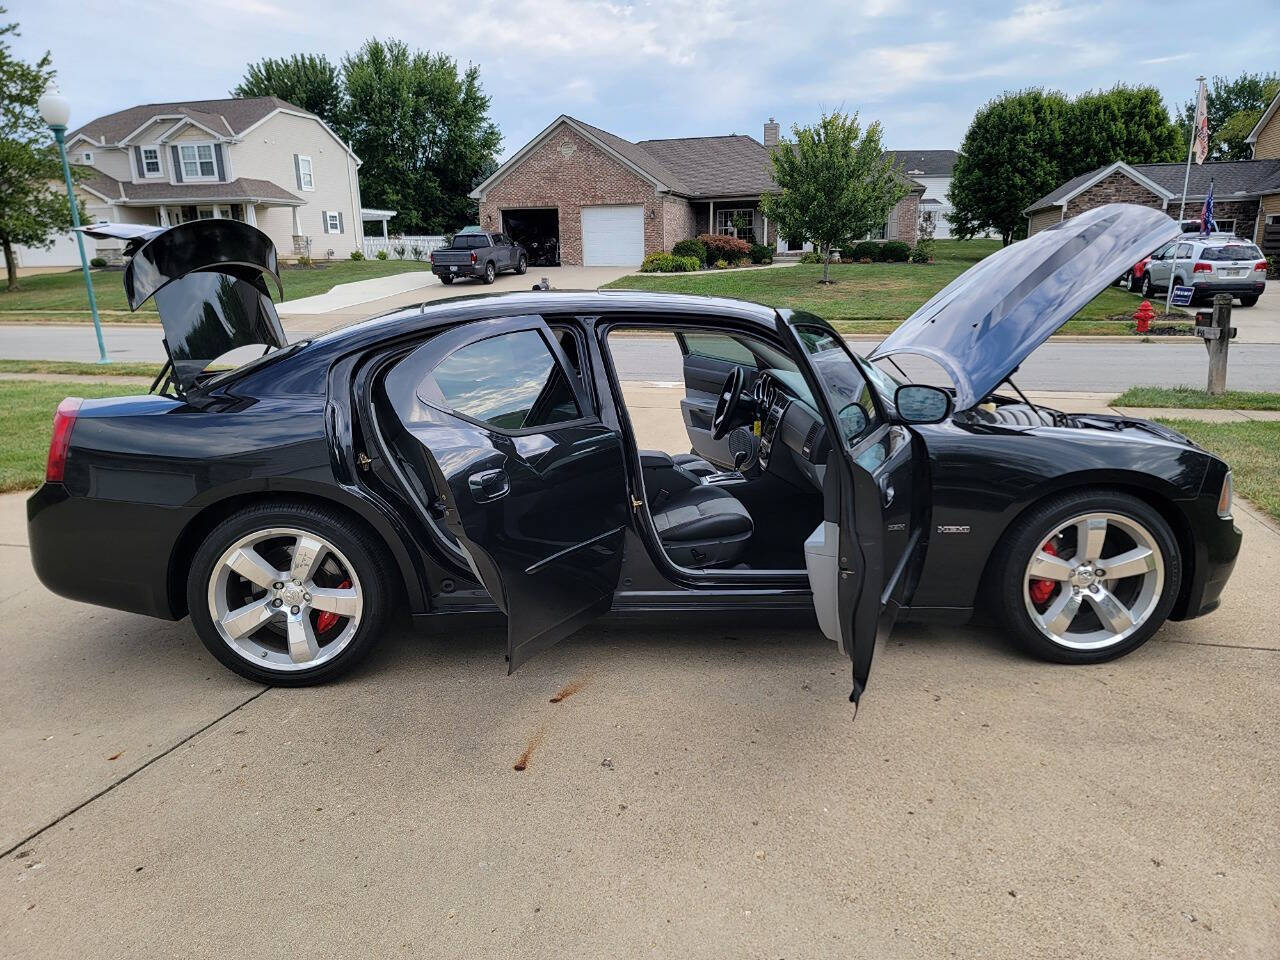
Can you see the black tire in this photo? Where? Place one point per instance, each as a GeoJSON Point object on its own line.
{"type": "Point", "coordinates": [1030, 531]}
{"type": "Point", "coordinates": [358, 545]}
{"type": "Point", "coordinates": [522, 266]}
{"type": "Point", "coordinates": [1147, 288]}
{"type": "Point", "coordinates": [446, 280]}
{"type": "Point", "coordinates": [1248, 301]}
{"type": "Point", "coordinates": [489, 272]}
{"type": "Point", "coordinates": [1134, 284]}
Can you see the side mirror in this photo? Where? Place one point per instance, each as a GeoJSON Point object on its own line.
{"type": "Point", "coordinates": [921, 403]}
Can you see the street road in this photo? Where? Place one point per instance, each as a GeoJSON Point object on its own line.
{"type": "Point", "coordinates": [1056, 366]}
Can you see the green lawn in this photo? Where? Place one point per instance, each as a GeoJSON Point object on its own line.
{"type": "Point", "coordinates": [114, 369]}
{"type": "Point", "coordinates": [63, 295]}
{"type": "Point", "coordinates": [1253, 450]}
{"type": "Point", "coordinates": [26, 423]}
{"type": "Point", "coordinates": [1193, 398]}
{"type": "Point", "coordinates": [870, 298]}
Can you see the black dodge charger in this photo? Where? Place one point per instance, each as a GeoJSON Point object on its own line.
{"type": "Point", "coordinates": [479, 453]}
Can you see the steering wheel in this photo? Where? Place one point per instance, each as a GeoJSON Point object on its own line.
{"type": "Point", "coordinates": [727, 404]}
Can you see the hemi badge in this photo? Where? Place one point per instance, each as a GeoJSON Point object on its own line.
{"type": "Point", "coordinates": [953, 528]}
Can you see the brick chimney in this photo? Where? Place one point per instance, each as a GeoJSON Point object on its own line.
{"type": "Point", "coordinates": [771, 130]}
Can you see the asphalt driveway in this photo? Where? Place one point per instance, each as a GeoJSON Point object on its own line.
{"type": "Point", "coordinates": [702, 790]}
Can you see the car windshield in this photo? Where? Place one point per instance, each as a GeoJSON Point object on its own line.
{"type": "Point", "coordinates": [1231, 251]}
{"type": "Point", "coordinates": [470, 241]}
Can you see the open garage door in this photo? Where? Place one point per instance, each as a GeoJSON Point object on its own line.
{"type": "Point", "coordinates": [538, 231]}
{"type": "Point", "coordinates": [612, 236]}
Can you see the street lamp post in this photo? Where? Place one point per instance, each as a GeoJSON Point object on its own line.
{"type": "Point", "coordinates": [56, 111]}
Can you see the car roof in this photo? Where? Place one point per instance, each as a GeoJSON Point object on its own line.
{"type": "Point", "coordinates": [585, 302]}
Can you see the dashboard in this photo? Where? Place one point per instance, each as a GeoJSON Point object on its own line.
{"type": "Point", "coordinates": [789, 424]}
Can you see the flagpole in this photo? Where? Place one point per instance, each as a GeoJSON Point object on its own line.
{"type": "Point", "coordinates": [1186, 180]}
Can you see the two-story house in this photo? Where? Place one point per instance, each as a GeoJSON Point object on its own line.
{"type": "Point", "coordinates": [261, 160]}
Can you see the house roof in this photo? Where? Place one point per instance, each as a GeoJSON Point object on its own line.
{"type": "Point", "coordinates": [229, 117]}
{"type": "Point", "coordinates": [734, 165]}
{"type": "Point", "coordinates": [924, 163]}
{"type": "Point", "coordinates": [1231, 178]}
{"type": "Point", "coordinates": [241, 189]}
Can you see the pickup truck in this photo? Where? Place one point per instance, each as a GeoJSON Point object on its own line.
{"type": "Point", "coordinates": [479, 255]}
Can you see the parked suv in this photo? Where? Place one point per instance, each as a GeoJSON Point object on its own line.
{"type": "Point", "coordinates": [1210, 265]}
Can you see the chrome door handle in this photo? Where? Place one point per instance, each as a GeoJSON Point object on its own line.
{"type": "Point", "coordinates": [489, 485]}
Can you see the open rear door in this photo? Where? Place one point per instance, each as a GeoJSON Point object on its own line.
{"type": "Point", "coordinates": [515, 463]}
{"type": "Point", "coordinates": [864, 560]}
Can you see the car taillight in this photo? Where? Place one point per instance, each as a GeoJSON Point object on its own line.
{"type": "Point", "coordinates": [1224, 498]}
{"type": "Point", "coordinates": [473, 256]}
{"type": "Point", "coordinates": [63, 422]}
{"type": "Point", "coordinates": [1260, 265]}
{"type": "Point", "coordinates": [1202, 267]}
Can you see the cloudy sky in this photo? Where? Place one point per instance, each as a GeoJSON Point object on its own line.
{"type": "Point", "coordinates": [676, 68]}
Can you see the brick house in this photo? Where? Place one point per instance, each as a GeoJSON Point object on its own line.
{"type": "Point", "coordinates": [608, 201]}
{"type": "Point", "coordinates": [1246, 193]}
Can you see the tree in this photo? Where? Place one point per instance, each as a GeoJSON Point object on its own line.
{"type": "Point", "coordinates": [33, 208]}
{"type": "Point", "coordinates": [836, 184]}
{"type": "Point", "coordinates": [1124, 123]}
{"type": "Point", "coordinates": [306, 80]}
{"type": "Point", "coordinates": [422, 131]}
{"type": "Point", "coordinates": [1234, 107]}
{"type": "Point", "coordinates": [1010, 157]}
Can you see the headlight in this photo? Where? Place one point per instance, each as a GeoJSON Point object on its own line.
{"type": "Point", "coordinates": [1224, 498]}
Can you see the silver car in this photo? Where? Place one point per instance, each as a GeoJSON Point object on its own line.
{"type": "Point", "coordinates": [1213, 264]}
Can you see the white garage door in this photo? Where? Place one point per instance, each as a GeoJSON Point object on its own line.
{"type": "Point", "coordinates": [612, 236]}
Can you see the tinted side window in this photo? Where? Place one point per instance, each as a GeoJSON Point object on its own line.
{"type": "Point", "coordinates": [511, 381]}
{"type": "Point", "coordinates": [719, 347]}
{"type": "Point", "coordinates": [843, 382]}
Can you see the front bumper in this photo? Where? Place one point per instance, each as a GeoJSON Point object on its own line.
{"type": "Point", "coordinates": [1216, 545]}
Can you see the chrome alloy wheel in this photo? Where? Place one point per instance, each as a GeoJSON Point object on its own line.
{"type": "Point", "coordinates": [285, 598]}
{"type": "Point", "coordinates": [1094, 581]}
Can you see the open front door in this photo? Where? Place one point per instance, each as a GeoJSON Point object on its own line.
{"type": "Point", "coordinates": [864, 561]}
{"type": "Point", "coordinates": [514, 462]}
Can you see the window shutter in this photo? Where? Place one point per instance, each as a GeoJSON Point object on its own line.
{"type": "Point", "coordinates": [324, 216]}
{"type": "Point", "coordinates": [137, 158]}
{"type": "Point", "coordinates": [297, 171]}
{"type": "Point", "coordinates": [177, 165]}
{"type": "Point", "coordinates": [217, 159]}
{"type": "Point", "coordinates": [340, 227]}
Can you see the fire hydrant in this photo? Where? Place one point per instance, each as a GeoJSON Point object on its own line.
{"type": "Point", "coordinates": [1144, 316]}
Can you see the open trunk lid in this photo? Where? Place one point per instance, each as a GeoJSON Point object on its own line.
{"type": "Point", "coordinates": [983, 324]}
{"type": "Point", "coordinates": [207, 277]}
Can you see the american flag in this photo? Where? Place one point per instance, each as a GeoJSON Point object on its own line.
{"type": "Point", "coordinates": [1202, 127]}
{"type": "Point", "coordinates": [1207, 226]}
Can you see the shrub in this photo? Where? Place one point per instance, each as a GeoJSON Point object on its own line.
{"type": "Point", "coordinates": [381, 255]}
{"type": "Point", "coordinates": [761, 254]}
{"type": "Point", "coordinates": [668, 263]}
{"type": "Point", "coordinates": [812, 257]}
{"type": "Point", "coordinates": [357, 255]}
{"type": "Point", "coordinates": [691, 248]}
{"type": "Point", "coordinates": [722, 264]}
{"type": "Point", "coordinates": [304, 260]}
{"type": "Point", "coordinates": [98, 263]}
{"type": "Point", "coordinates": [867, 249]}
{"type": "Point", "coordinates": [722, 247]}
{"type": "Point", "coordinates": [399, 249]}
{"type": "Point", "coordinates": [1273, 267]}
{"type": "Point", "coordinates": [922, 252]}
{"type": "Point", "coordinates": [895, 251]}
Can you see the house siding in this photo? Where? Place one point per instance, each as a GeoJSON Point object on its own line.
{"type": "Point", "coordinates": [114, 163]}
{"type": "Point", "coordinates": [1269, 206]}
{"type": "Point", "coordinates": [935, 188]}
{"type": "Point", "coordinates": [568, 172]}
{"type": "Point", "coordinates": [267, 154]}
{"type": "Point", "coordinates": [1043, 219]}
{"type": "Point", "coordinates": [1267, 146]}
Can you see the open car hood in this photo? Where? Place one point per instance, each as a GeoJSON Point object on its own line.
{"type": "Point", "coordinates": [207, 277]}
{"type": "Point", "coordinates": [984, 323]}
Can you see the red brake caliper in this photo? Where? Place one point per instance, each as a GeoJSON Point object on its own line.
{"type": "Point", "coordinates": [1042, 590]}
{"type": "Point", "coordinates": [328, 618]}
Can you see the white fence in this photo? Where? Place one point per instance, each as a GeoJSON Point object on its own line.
{"type": "Point", "coordinates": [402, 248]}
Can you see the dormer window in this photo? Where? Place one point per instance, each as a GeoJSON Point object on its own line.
{"type": "Point", "coordinates": [85, 157]}
{"type": "Point", "coordinates": [197, 161]}
{"type": "Point", "coordinates": [150, 162]}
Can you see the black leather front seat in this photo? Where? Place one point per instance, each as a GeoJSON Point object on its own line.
{"type": "Point", "coordinates": [703, 526]}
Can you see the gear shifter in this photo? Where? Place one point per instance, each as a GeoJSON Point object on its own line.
{"type": "Point", "coordinates": [730, 476]}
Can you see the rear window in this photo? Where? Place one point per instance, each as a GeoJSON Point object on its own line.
{"type": "Point", "coordinates": [1232, 251]}
{"type": "Point", "coordinates": [470, 241]}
